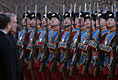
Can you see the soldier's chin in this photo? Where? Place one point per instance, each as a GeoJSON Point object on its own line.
{"type": "Point", "coordinates": [87, 25]}
{"type": "Point", "coordinates": [66, 25]}
{"type": "Point", "coordinates": [44, 24]}
{"type": "Point", "coordinates": [33, 25]}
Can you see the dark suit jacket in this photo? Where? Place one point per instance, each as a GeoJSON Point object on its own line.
{"type": "Point", "coordinates": [6, 64]}
{"type": "Point", "coordinates": [16, 59]}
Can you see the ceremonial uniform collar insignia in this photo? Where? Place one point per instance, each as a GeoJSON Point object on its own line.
{"type": "Point", "coordinates": [68, 29]}
{"type": "Point", "coordinates": [83, 28]}
{"type": "Point", "coordinates": [45, 29]}
{"type": "Point", "coordinates": [104, 28]}
{"type": "Point", "coordinates": [76, 26]}
{"type": "Point", "coordinates": [56, 29]}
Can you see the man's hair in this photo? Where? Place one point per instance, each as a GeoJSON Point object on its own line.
{"type": "Point", "coordinates": [4, 20]}
{"type": "Point", "coordinates": [10, 15]}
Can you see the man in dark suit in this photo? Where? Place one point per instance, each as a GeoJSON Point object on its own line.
{"type": "Point", "coordinates": [16, 58]}
{"type": "Point", "coordinates": [6, 65]}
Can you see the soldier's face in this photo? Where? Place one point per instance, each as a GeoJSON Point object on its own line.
{"type": "Point", "coordinates": [24, 22]}
{"type": "Point", "coordinates": [13, 24]}
{"type": "Point", "coordinates": [67, 21]}
{"type": "Point", "coordinates": [33, 22]}
{"type": "Point", "coordinates": [44, 22]}
{"type": "Point", "coordinates": [87, 22]}
{"type": "Point", "coordinates": [110, 22]}
{"type": "Point", "coordinates": [55, 21]}
{"type": "Point", "coordinates": [77, 21]}
{"type": "Point", "coordinates": [102, 22]}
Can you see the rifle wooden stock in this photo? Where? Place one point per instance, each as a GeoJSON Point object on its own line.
{"type": "Point", "coordinates": [24, 49]}
{"type": "Point", "coordinates": [97, 65]}
{"type": "Point", "coordinates": [56, 58]}
{"type": "Point", "coordinates": [77, 52]}
{"type": "Point", "coordinates": [77, 58]}
{"type": "Point", "coordinates": [89, 55]}
{"type": "Point", "coordinates": [67, 54]}
{"type": "Point", "coordinates": [114, 62]}
{"type": "Point", "coordinates": [64, 66]}
{"type": "Point", "coordinates": [100, 54]}
{"type": "Point", "coordinates": [45, 52]}
{"type": "Point", "coordinates": [86, 65]}
{"type": "Point", "coordinates": [54, 64]}
{"type": "Point", "coordinates": [43, 64]}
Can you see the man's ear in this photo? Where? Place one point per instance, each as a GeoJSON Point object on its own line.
{"type": "Point", "coordinates": [73, 22]}
{"type": "Point", "coordinates": [59, 21]}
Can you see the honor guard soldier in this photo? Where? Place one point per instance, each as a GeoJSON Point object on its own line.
{"type": "Point", "coordinates": [68, 23]}
{"type": "Point", "coordinates": [34, 59]}
{"type": "Point", "coordinates": [46, 75]}
{"type": "Point", "coordinates": [53, 40]}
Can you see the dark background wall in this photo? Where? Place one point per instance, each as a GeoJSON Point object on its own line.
{"type": "Point", "coordinates": [53, 5]}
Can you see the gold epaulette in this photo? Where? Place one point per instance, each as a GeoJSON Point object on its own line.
{"type": "Point", "coordinates": [49, 27]}
{"type": "Point", "coordinates": [112, 30]}
{"type": "Point", "coordinates": [104, 28]}
{"type": "Point", "coordinates": [83, 28]}
{"type": "Point", "coordinates": [76, 26]}
{"type": "Point", "coordinates": [56, 29]}
{"type": "Point", "coordinates": [67, 29]}
{"type": "Point", "coordinates": [28, 27]}
{"type": "Point", "coordinates": [39, 27]}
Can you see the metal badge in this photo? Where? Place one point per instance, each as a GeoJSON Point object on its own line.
{"type": "Point", "coordinates": [62, 40]}
{"type": "Point", "coordinates": [105, 42]}
{"type": "Point", "coordinates": [40, 39]}
{"type": "Point", "coordinates": [75, 40]}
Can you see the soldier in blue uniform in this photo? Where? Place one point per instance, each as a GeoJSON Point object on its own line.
{"type": "Point", "coordinates": [35, 61]}
{"type": "Point", "coordinates": [65, 38]}
{"type": "Point", "coordinates": [46, 75]}
{"type": "Point", "coordinates": [53, 38]}
{"type": "Point", "coordinates": [109, 41]}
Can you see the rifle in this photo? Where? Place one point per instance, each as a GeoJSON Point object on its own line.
{"type": "Point", "coordinates": [89, 56]}
{"type": "Point", "coordinates": [114, 46]}
{"type": "Point", "coordinates": [45, 50]}
{"type": "Point", "coordinates": [34, 48]}
{"type": "Point", "coordinates": [100, 55]}
{"type": "Point", "coordinates": [57, 56]}
{"type": "Point", "coordinates": [69, 42]}
{"type": "Point", "coordinates": [25, 42]}
{"type": "Point", "coordinates": [77, 51]}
